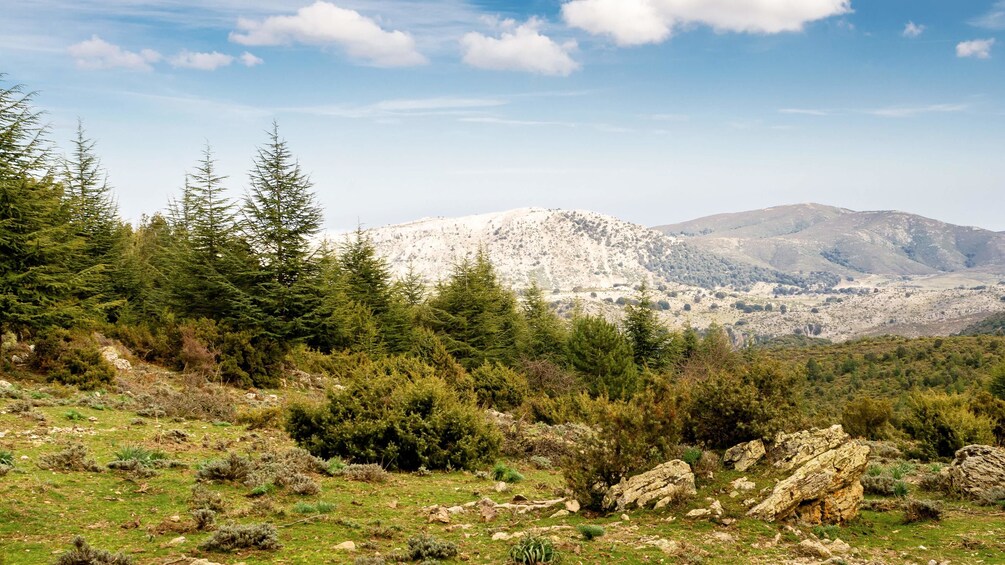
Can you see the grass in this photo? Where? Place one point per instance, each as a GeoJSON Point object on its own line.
{"type": "Point", "coordinates": [41, 511]}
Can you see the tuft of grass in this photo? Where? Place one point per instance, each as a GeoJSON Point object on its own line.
{"type": "Point", "coordinates": [506, 474]}
{"type": "Point", "coordinates": [83, 554]}
{"type": "Point", "coordinates": [319, 508]}
{"type": "Point", "coordinates": [691, 456]}
{"type": "Point", "coordinates": [533, 550]}
{"type": "Point", "coordinates": [900, 489]}
{"type": "Point", "coordinates": [142, 455]}
{"type": "Point", "coordinates": [874, 470]}
{"type": "Point", "coordinates": [238, 536]}
{"type": "Point", "coordinates": [590, 531]}
{"type": "Point", "coordinates": [901, 469]}
{"type": "Point", "coordinates": [263, 489]}
{"type": "Point", "coordinates": [425, 547]}
{"type": "Point", "coordinates": [6, 458]}
{"type": "Point", "coordinates": [74, 416]}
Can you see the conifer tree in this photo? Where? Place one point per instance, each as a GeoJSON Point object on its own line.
{"type": "Point", "coordinates": [651, 341]}
{"type": "Point", "coordinates": [94, 212]}
{"type": "Point", "coordinates": [603, 356]}
{"type": "Point", "coordinates": [546, 335]}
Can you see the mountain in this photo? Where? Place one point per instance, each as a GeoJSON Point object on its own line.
{"type": "Point", "coordinates": [813, 237]}
{"type": "Point", "coordinates": [561, 249]}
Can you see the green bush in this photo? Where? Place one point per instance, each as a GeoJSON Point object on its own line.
{"type": "Point", "coordinates": [234, 468]}
{"type": "Point", "coordinates": [900, 489]}
{"type": "Point", "coordinates": [402, 424]}
{"type": "Point", "coordinates": [426, 547]}
{"type": "Point", "coordinates": [499, 386]}
{"type": "Point", "coordinates": [72, 360]}
{"type": "Point", "coordinates": [590, 531]}
{"type": "Point", "coordinates": [506, 474]}
{"type": "Point", "coordinates": [867, 417]}
{"type": "Point", "coordinates": [533, 550]}
{"type": "Point", "coordinates": [83, 554]}
{"type": "Point", "coordinates": [943, 424]}
{"type": "Point", "coordinates": [238, 536]}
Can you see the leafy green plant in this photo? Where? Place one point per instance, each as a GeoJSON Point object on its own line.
{"type": "Point", "coordinates": [319, 508]}
{"type": "Point", "coordinates": [506, 474]}
{"type": "Point", "coordinates": [243, 536]}
{"type": "Point", "coordinates": [691, 456]}
{"type": "Point", "coordinates": [6, 458]}
{"type": "Point", "coordinates": [426, 547]}
{"type": "Point", "coordinates": [74, 416]}
{"type": "Point", "coordinates": [900, 489]}
{"type": "Point", "coordinates": [83, 554]}
{"type": "Point", "coordinates": [533, 550]}
{"type": "Point", "coordinates": [901, 469]}
{"type": "Point", "coordinates": [142, 455]}
{"type": "Point", "coordinates": [590, 531]}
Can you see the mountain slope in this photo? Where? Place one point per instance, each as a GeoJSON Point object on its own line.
{"type": "Point", "coordinates": [560, 249]}
{"type": "Point", "coordinates": [812, 237]}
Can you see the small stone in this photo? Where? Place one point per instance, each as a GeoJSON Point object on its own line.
{"type": "Point", "coordinates": [839, 547]}
{"type": "Point", "coordinates": [176, 518]}
{"type": "Point", "coordinates": [813, 548]}
{"type": "Point", "coordinates": [742, 484]}
{"type": "Point", "coordinates": [723, 537]}
{"type": "Point", "coordinates": [455, 509]}
{"type": "Point", "coordinates": [716, 508]}
{"type": "Point", "coordinates": [501, 487]}
{"type": "Point", "coordinates": [699, 513]}
{"type": "Point", "coordinates": [500, 536]}
{"type": "Point", "coordinates": [625, 518]}
{"type": "Point", "coordinates": [439, 514]}
{"type": "Point", "coordinates": [346, 546]}
{"type": "Point", "coordinates": [560, 514]}
{"type": "Point", "coordinates": [177, 541]}
{"type": "Point", "coordinates": [572, 505]}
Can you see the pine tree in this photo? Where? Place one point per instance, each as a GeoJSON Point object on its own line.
{"type": "Point", "coordinates": [546, 335]}
{"type": "Point", "coordinates": [94, 212]}
{"type": "Point", "coordinates": [651, 341]}
{"type": "Point", "coordinates": [37, 286]}
{"type": "Point", "coordinates": [603, 356]}
{"type": "Point", "coordinates": [281, 214]}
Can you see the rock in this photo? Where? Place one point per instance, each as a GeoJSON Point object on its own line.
{"type": "Point", "coordinates": [111, 355]}
{"type": "Point", "coordinates": [501, 487]}
{"type": "Point", "coordinates": [455, 509]}
{"type": "Point", "coordinates": [723, 537]}
{"type": "Point", "coordinates": [177, 541]}
{"type": "Point", "coordinates": [438, 514]}
{"type": "Point", "coordinates": [572, 505]}
{"type": "Point", "coordinates": [813, 548]}
{"type": "Point", "coordinates": [742, 485]}
{"type": "Point", "coordinates": [978, 470]}
{"type": "Point", "coordinates": [745, 455]}
{"type": "Point", "coordinates": [789, 451]}
{"type": "Point", "coordinates": [827, 489]}
{"type": "Point", "coordinates": [699, 513]}
{"type": "Point", "coordinates": [669, 547]}
{"type": "Point", "coordinates": [346, 546]}
{"type": "Point", "coordinates": [657, 487]}
{"type": "Point", "coordinates": [560, 514]}
{"type": "Point", "coordinates": [519, 498]}
{"type": "Point", "coordinates": [500, 536]}
{"type": "Point", "coordinates": [839, 547]}
{"type": "Point", "coordinates": [202, 562]}
{"type": "Point", "coordinates": [5, 385]}
{"type": "Point", "coordinates": [716, 508]}
{"type": "Point", "coordinates": [626, 518]}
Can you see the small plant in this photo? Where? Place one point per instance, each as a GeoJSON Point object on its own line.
{"type": "Point", "coordinates": [533, 550]}
{"type": "Point", "coordinates": [541, 462]}
{"type": "Point", "coordinates": [74, 416]}
{"type": "Point", "coordinates": [426, 547]}
{"type": "Point", "coordinates": [879, 485]}
{"type": "Point", "coordinates": [900, 489]}
{"type": "Point", "coordinates": [874, 470]}
{"type": "Point", "coordinates": [73, 458]}
{"type": "Point", "coordinates": [6, 458]}
{"type": "Point", "coordinates": [922, 511]}
{"type": "Point", "coordinates": [142, 455]}
{"type": "Point", "coordinates": [236, 536]}
{"type": "Point", "coordinates": [83, 554]}
{"type": "Point", "coordinates": [203, 498]}
{"type": "Point", "coordinates": [590, 531]}
{"type": "Point", "coordinates": [204, 518]}
{"type": "Point", "coordinates": [379, 531]}
{"type": "Point", "coordinates": [828, 531]}
{"type": "Point", "coordinates": [365, 472]}
{"type": "Point", "coordinates": [319, 508]}
{"type": "Point", "coordinates": [506, 474]}
{"type": "Point", "coordinates": [234, 468]}
{"type": "Point", "coordinates": [691, 456]}
{"type": "Point", "coordinates": [370, 560]}
{"type": "Point", "coordinates": [901, 469]}
{"type": "Point", "coordinates": [334, 466]}
{"type": "Point", "coordinates": [263, 489]}
{"type": "Point", "coordinates": [304, 485]}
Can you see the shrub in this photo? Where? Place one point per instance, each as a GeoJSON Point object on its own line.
{"type": "Point", "coordinates": [319, 508]}
{"type": "Point", "coordinates": [204, 518]}
{"type": "Point", "coordinates": [708, 463]}
{"type": "Point", "coordinates": [83, 554]}
{"type": "Point", "coordinates": [402, 424]}
{"type": "Point", "coordinates": [541, 462]}
{"type": "Point", "coordinates": [72, 458]}
{"type": "Point", "coordinates": [261, 418]}
{"type": "Point", "coordinates": [253, 536]}
{"type": "Point", "coordinates": [590, 531]}
{"type": "Point", "coordinates": [506, 474]}
{"type": "Point", "coordinates": [878, 485]}
{"type": "Point", "coordinates": [74, 416]}
{"type": "Point", "coordinates": [234, 468]}
{"type": "Point", "coordinates": [365, 472]}
{"type": "Point", "coordinates": [303, 485]}
{"type": "Point", "coordinates": [425, 547]}
{"type": "Point", "coordinates": [6, 458]}
{"type": "Point", "coordinates": [900, 489]}
{"type": "Point", "coordinates": [691, 456]}
{"type": "Point", "coordinates": [944, 423]}
{"type": "Point", "coordinates": [499, 386]}
{"type": "Point", "coordinates": [203, 498]}
{"type": "Point", "coordinates": [72, 360]}
{"type": "Point", "coordinates": [867, 417]}
{"type": "Point", "coordinates": [922, 511]}
{"type": "Point", "coordinates": [631, 437]}
{"type": "Point", "coordinates": [142, 455]}
{"type": "Point", "coordinates": [533, 550]}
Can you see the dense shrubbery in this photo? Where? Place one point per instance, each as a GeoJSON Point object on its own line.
{"type": "Point", "coordinates": [867, 417]}
{"type": "Point", "coordinates": [499, 386]}
{"type": "Point", "coordinates": [943, 424]}
{"type": "Point", "coordinates": [398, 422]}
{"type": "Point", "coordinates": [71, 360]}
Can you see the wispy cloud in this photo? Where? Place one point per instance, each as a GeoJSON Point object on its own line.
{"type": "Point", "coordinates": [667, 117]}
{"type": "Point", "coordinates": [912, 30]}
{"type": "Point", "coordinates": [325, 24]}
{"type": "Point", "coordinates": [906, 111]}
{"type": "Point", "coordinates": [993, 19]}
{"type": "Point", "coordinates": [977, 49]}
{"type": "Point", "coordinates": [201, 61]}
{"type": "Point", "coordinates": [96, 53]}
{"type": "Point", "coordinates": [249, 60]}
{"type": "Point", "coordinates": [511, 122]}
{"type": "Point", "coordinates": [400, 108]}
{"type": "Point", "coordinates": [805, 111]}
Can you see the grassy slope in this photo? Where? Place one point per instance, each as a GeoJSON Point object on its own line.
{"type": "Point", "coordinates": [40, 511]}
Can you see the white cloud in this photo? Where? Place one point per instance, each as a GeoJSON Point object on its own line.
{"type": "Point", "coordinates": [994, 19]}
{"type": "Point", "coordinates": [324, 24]}
{"type": "Point", "coordinates": [519, 48]}
{"type": "Point", "coordinates": [96, 53]}
{"type": "Point", "coordinates": [977, 48]}
{"type": "Point", "coordinates": [805, 112]}
{"type": "Point", "coordinates": [249, 60]}
{"type": "Point", "coordinates": [912, 30]}
{"type": "Point", "coordinates": [911, 111]}
{"type": "Point", "coordinates": [637, 22]}
{"type": "Point", "coordinates": [201, 61]}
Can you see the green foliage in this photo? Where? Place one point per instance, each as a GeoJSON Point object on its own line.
{"type": "Point", "coordinates": [233, 468]}
{"type": "Point", "coordinates": [652, 344]}
{"type": "Point", "coordinates": [319, 508]}
{"type": "Point", "coordinates": [590, 532]}
{"type": "Point", "coordinates": [240, 536]}
{"type": "Point", "coordinates": [142, 455]}
{"type": "Point", "coordinates": [534, 550]}
{"type": "Point", "coordinates": [546, 333]}
{"type": "Point", "coordinates": [475, 316]}
{"type": "Point", "coordinates": [900, 489]}
{"type": "Point", "coordinates": [997, 384]}
{"type": "Point", "coordinates": [499, 386]}
{"type": "Point", "coordinates": [691, 456]}
{"type": "Point", "coordinates": [922, 511]}
{"type": "Point", "coordinates": [506, 474]}
{"type": "Point", "coordinates": [71, 359]}
{"type": "Point", "coordinates": [6, 458]}
{"type": "Point", "coordinates": [943, 424]}
{"type": "Point", "coordinates": [728, 408]}
{"type": "Point", "coordinates": [426, 547]}
{"type": "Point", "coordinates": [603, 356]}
{"type": "Point", "coordinates": [631, 437]}
{"type": "Point", "coordinates": [867, 417]}
{"type": "Point", "coordinates": [403, 423]}
{"type": "Point", "coordinates": [83, 554]}
{"type": "Point", "coordinates": [74, 416]}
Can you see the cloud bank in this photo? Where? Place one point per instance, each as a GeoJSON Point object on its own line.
{"type": "Point", "coordinates": [98, 54]}
{"type": "Point", "coordinates": [519, 48]}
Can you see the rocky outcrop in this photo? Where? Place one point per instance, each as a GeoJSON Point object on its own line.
{"type": "Point", "coordinates": [978, 471]}
{"type": "Point", "coordinates": [658, 487]}
{"type": "Point", "coordinates": [825, 489]}
{"type": "Point", "coordinates": [789, 451]}
{"type": "Point", "coordinates": [744, 456]}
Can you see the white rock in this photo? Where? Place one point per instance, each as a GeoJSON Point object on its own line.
{"type": "Point", "coordinates": [500, 536]}
{"type": "Point", "coordinates": [346, 546]}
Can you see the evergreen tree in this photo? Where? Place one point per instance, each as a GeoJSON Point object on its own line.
{"type": "Point", "coordinates": [94, 212]}
{"type": "Point", "coordinates": [37, 286]}
{"type": "Point", "coordinates": [651, 341]}
{"type": "Point", "coordinates": [475, 316]}
{"type": "Point", "coordinates": [603, 356]}
{"type": "Point", "coordinates": [281, 215]}
{"type": "Point", "coordinates": [546, 334]}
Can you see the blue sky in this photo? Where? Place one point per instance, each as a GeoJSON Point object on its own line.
{"type": "Point", "coordinates": [652, 110]}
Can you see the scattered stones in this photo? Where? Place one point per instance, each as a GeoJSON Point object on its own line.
{"type": "Point", "coordinates": [978, 470]}
{"type": "Point", "coordinates": [658, 487]}
{"type": "Point", "coordinates": [826, 489]}
{"type": "Point", "coordinates": [745, 455]}
{"type": "Point", "coordinates": [111, 355]}
{"type": "Point", "coordinates": [699, 513]}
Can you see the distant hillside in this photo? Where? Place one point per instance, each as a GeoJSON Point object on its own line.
{"type": "Point", "coordinates": [564, 249]}
{"type": "Point", "coordinates": [813, 237]}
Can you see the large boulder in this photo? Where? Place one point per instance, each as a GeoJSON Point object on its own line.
{"type": "Point", "coordinates": [744, 456]}
{"type": "Point", "coordinates": [825, 489]}
{"type": "Point", "coordinates": [656, 488]}
{"type": "Point", "coordinates": [978, 471]}
{"type": "Point", "coordinates": [789, 451]}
